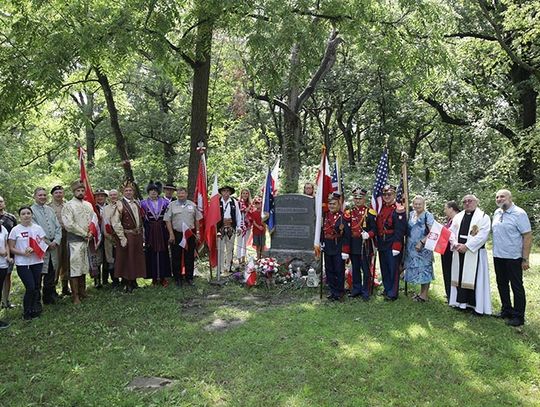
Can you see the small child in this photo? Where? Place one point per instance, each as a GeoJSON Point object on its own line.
{"type": "Point", "coordinates": [258, 227]}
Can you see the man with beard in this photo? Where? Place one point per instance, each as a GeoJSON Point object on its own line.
{"type": "Point", "coordinates": [512, 241]}
{"type": "Point", "coordinates": [470, 273]}
{"type": "Point", "coordinates": [62, 272]}
{"type": "Point", "coordinates": [45, 217]}
{"type": "Point", "coordinates": [77, 216]}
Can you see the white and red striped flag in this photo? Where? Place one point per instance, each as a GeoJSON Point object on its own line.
{"type": "Point", "coordinates": [186, 234]}
{"type": "Point", "coordinates": [38, 244]}
{"type": "Point", "coordinates": [88, 193]}
{"type": "Point", "coordinates": [438, 238]}
{"type": "Point", "coordinates": [201, 195]}
{"type": "Point", "coordinates": [213, 218]}
{"type": "Point", "coordinates": [95, 230]}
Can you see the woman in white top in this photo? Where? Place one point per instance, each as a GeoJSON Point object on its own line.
{"type": "Point", "coordinates": [5, 260]}
{"type": "Point", "coordinates": [28, 260]}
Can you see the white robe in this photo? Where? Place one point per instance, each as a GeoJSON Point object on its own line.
{"type": "Point", "coordinates": [475, 257]}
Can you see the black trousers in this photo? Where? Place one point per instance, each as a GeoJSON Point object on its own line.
{"type": "Point", "coordinates": [446, 262]}
{"type": "Point", "coordinates": [49, 284]}
{"type": "Point", "coordinates": [510, 274]}
{"type": "Point", "coordinates": [186, 255]}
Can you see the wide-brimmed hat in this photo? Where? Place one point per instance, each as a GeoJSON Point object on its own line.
{"type": "Point", "coordinates": [226, 187]}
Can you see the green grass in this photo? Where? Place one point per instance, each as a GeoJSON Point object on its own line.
{"type": "Point", "coordinates": [291, 350]}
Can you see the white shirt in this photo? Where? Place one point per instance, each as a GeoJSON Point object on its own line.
{"type": "Point", "coordinates": [3, 243]}
{"type": "Point", "coordinates": [20, 234]}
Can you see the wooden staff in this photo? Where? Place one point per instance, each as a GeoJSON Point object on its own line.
{"type": "Point", "coordinates": [405, 200]}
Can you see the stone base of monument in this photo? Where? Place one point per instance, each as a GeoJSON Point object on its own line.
{"type": "Point", "coordinates": [286, 256]}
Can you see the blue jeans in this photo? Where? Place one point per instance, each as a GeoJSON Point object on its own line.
{"type": "Point", "coordinates": [30, 277]}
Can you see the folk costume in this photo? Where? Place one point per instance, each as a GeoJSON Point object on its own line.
{"type": "Point", "coordinates": [127, 223]}
{"type": "Point", "coordinates": [391, 228]}
{"type": "Point", "coordinates": [245, 226]}
{"type": "Point", "coordinates": [227, 227]}
{"type": "Point", "coordinates": [9, 222]}
{"type": "Point", "coordinates": [62, 271]}
{"type": "Point", "coordinates": [363, 230]}
{"type": "Point", "coordinates": [158, 263]}
{"type": "Point", "coordinates": [77, 215]}
{"type": "Point", "coordinates": [470, 272]}
{"type": "Point", "coordinates": [109, 244]}
{"type": "Point", "coordinates": [336, 245]}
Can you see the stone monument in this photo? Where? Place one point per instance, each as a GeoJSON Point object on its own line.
{"type": "Point", "coordinates": [295, 228]}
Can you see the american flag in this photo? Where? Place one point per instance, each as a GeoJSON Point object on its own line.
{"type": "Point", "coordinates": [400, 192]}
{"type": "Point", "coordinates": [381, 177]}
{"type": "Point", "coordinates": [337, 183]}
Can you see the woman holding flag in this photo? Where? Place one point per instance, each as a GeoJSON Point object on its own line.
{"type": "Point", "coordinates": [27, 244]}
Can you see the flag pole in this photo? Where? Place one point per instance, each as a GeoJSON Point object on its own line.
{"type": "Point", "coordinates": [404, 177]}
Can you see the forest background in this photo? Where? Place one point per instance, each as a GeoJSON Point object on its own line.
{"type": "Point", "coordinates": [139, 83]}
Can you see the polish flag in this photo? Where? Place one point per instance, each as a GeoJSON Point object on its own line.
{"type": "Point", "coordinates": [95, 230]}
{"type": "Point", "coordinates": [108, 227]}
{"type": "Point", "coordinates": [212, 219]}
{"type": "Point", "coordinates": [186, 234]}
{"type": "Point", "coordinates": [88, 194]}
{"type": "Point", "coordinates": [438, 238]}
{"type": "Point", "coordinates": [324, 188]}
{"type": "Point", "coordinates": [201, 195]}
{"type": "Point", "coordinates": [38, 244]}
{"type": "Point", "coordinates": [250, 274]}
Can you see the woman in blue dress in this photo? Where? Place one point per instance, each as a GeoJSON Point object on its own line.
{"type": "Point", "coordinates": [418, 260]}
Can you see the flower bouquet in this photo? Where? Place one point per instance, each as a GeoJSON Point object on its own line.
{"type": "Point", "coordinates": [267, 267]}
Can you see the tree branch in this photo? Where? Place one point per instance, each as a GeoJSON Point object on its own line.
{"type": "Point", "coordinates": [445, 117]}
{"type": "Point", "coordinates": [499, 36]}
{"type": "Point", "coordinates": [327, 62]}
{"type": "Point", "coordinates": [470, 34]}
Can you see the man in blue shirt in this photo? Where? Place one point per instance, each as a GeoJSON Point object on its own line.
{"type": "Point", "coordinates": [512, 240]}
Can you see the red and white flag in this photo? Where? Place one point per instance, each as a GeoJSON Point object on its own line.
{"type": "Point", "coordinates": [201, 196]}
{"type": "Point", "coordinates": [38, 244]}
{"type": "Point", "coordinates": [186, 234]}
{"type": "Point", "coordinates": [88, 193]}
{"type": "Point", "coordinates": [108, 226]}
{"type": "Point", "coordinates": [324, 188]}
{"type": "Point", "coordinates": [95, 230]}
{"type": "Point", "coordinates": [212, 219]}
{"type": "Point", "coordinates": [438, 238]}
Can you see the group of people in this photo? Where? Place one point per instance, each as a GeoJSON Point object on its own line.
{"type": "Point", "coordinates": [399, 240]}
{"type": "Point", "coordinates": [123, 238]}
{"type": "Point", "coordinates": [120, 237]}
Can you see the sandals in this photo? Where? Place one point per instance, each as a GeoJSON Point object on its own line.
{"type": "Point", "coordinates": [417, 298]}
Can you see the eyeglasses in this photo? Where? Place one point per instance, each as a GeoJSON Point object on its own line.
{"type": "Point", "coordinates": [468, 200]}
{"type": "Point", "coordinates": [388, 194]}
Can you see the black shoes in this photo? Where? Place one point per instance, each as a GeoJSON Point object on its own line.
{"type": "Point", "coordinates": [515, 322]}
{"type": "Point", "coordinates": [504, 315]}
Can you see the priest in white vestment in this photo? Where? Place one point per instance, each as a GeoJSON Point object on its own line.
{"type": "Point", "coordinates": [470, 274]}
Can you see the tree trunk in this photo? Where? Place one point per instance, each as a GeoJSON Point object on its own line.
{"type": "Point", "coordinates": [199, 100]}
{"type": "Point", "coordinates": [291, 152]}
{"type": "Point", "coordinates": [121, 144]}
{"type": "Point", "coordinates": [526, 119]}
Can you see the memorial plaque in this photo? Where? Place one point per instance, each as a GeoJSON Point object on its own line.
{"type": "Point", "coordinates": [295, 222]}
